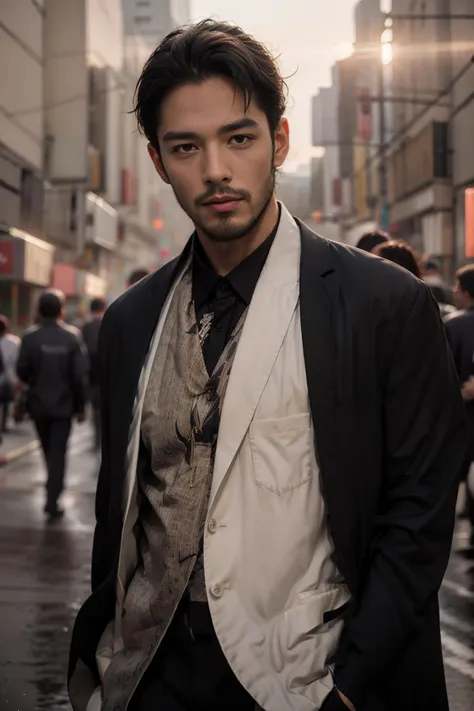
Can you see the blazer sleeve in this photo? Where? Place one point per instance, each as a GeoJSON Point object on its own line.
{"type": "Point", "coordinates": [425, 441]}
{"type": "Point", "coordinates": [100, 558]}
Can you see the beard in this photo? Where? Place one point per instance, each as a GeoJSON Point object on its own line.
{"type": "Point", "coordinates": [227, 229]}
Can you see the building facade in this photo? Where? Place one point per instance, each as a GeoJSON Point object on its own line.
{"type": "Point", "coordinates": [421, 194]}
{"type": "Point", "coordinates": [25, 258]}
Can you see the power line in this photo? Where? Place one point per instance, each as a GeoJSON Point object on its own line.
{"type": "Point", "coordinates": [63, 102]}
{"type": "Point", "coordinates": [20, 42]}
{"type": "Point", "coordinates": [402, 132]}
{"type": "Point", "coordinates": [20, 126]}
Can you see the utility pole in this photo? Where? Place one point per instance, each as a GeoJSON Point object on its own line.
{"type": "Point", "coordinates": [383, 192]}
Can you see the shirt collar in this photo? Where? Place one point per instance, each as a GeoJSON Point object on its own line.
{"type": "Point", "coordinates": [243, 279]}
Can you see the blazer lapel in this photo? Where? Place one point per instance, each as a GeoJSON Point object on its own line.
{"type": "Point", "coordinates": [324, 333]}
{"type": "Point", "coordinates": [273, 304]}
{"type": "Point", "coordinates": [320, 320]}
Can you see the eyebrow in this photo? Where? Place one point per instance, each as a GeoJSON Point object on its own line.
{"type": "Point", "coordinates": [227, 128]}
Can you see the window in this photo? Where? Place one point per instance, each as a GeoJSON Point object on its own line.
{"type": "Point", "coordinates": [141, 19]}
{"type": "Point", "coordinates": [143, 3]}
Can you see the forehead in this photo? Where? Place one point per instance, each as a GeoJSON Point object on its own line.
{"type": "Point", "coordinates": [205, 107]}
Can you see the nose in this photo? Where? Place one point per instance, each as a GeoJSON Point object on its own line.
{"type": "Point", "coordinates": [216, 168]}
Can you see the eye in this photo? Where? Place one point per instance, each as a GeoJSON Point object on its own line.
{"type": "Point", "coordinates": [184, 148]}
{"type": "Point", "coordinates": [241, 140]}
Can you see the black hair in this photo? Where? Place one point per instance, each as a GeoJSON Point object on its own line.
{"type": "Point", "coordinates": [201, 51]}
{"type": "Point", "coordinates": [98, 306]}
{"type": "Point", "coordinates": [51, 304]}
{"type": "Point", "coordinates": [370, 240]}
{"type": "Point", "coordinates": [400, 253]}
{"type": "Point", "coordinates": [137, 275]}
{"type": "Point", "coordinates": [465, 277]}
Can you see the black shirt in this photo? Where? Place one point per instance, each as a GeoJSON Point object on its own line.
{"type": "Point", "coordinates": [221, 301]}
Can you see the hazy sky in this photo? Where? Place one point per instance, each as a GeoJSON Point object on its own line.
{"type": "Point", "coordinates": [309, 35]}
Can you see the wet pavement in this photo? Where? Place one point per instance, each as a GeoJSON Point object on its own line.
{"type": "Point", "coordinates": [44, 577]}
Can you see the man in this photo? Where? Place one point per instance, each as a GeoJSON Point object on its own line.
{"type": "Point", "coordinates": [9, 349]}
{"type": "Point", "coordinates": [276, 500]}
{"type": "Point", "coordinates": [90, 334]}
{"type": "Point", "coordinates": [53, 366]}
{"type": "Point", "coordinates": [459, 328]}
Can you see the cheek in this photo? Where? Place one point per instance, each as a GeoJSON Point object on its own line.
{"type": "Point", "coordinates": [184, 182]}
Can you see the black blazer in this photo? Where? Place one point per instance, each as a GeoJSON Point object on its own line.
{"type": "Point", "coordinates": [390, 435]}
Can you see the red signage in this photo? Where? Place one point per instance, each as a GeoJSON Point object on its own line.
{"type": "Point", "coordinates": [6, 258]}
{"type": "Point", "coordinates": [469, 223]}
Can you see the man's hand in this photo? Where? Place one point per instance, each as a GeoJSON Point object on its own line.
{"type": "Point", "coordinates": [346, 701]}
{"type": "Point", "coordinates": [80, 418]}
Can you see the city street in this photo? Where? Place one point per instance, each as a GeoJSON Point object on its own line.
{"type": "Point", "coordinates": [44, 579]}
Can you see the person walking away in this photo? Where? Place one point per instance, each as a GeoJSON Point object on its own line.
{"type": "Point", "coordinates": [371, 240]}
{"type": "Point", "coordinates": [52, 363]}
{"type": "Point", "coordinates": [90, 334]}
{"type": "Point", "coordinates": [401, 253]}
{"type": "Point", "coordinates": [459, 328]}
{"type": "Point", "coordinates": [9, 347]}
{"type": "Point", "coordinates": [280, 457]}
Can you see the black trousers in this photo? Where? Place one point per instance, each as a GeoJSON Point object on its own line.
{"type": "Point", "coordinates": [189, 671]}
{"type": "Point", "coordinates": [54, 435]}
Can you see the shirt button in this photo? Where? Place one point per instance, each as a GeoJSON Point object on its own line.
{"type": "Point", "coordinates": [218, 327]}
{"type": "Point", "coordinates": [216, 590]}
{"type": "Point", "coordinates": [212, 525]}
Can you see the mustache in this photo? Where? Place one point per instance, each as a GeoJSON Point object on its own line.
{"type": "Point", "coordinates": [219, 191]}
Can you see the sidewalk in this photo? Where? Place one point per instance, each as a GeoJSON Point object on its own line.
{"type": "Point", "coordinates": [18, 441]}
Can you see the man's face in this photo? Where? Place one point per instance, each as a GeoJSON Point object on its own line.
{"type": "Point", "coordinates": [219, 159]}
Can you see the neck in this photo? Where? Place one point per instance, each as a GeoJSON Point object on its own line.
{"type": "Point", "coordinates": [225, 256]}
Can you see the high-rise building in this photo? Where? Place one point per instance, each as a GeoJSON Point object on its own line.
{"type": "Point", "coordinates": [153, 228]}
{"type": "Point", "coordinates": [421, 182]}
{"type": "Point", "coordinates": [25, 258]}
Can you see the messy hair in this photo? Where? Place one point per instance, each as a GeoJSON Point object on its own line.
{"type": "Point", "coordinates": [190, 55]}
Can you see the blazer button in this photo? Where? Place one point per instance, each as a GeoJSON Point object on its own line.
{"type": "Point", "coordinates": [216, 590]}
{"type": "Point", "coordinates": [212, 525]}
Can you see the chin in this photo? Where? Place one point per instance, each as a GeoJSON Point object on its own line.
{"type": "Point", "coordinates": [227, 232]}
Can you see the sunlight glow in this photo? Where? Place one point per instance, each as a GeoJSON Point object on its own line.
{"type": "Point", "coordinates": [387, 53]}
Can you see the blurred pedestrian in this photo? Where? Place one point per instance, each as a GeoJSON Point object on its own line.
{"type": "Point", "coordinates": [401, 253]}
{"type": "Point", "coordinates": [441, 292]}
{"type": "Point", "coordinates": [279, 468]}
{"type": "Point", "coordinates": [459, 328]}
{"type": "Point", "coordinates": [52, 363]}
{"type": "Point", "coordinates": [90, 334]}
{"type": "Point", "coordinates": [136, 276]}
{"type": "Point", "coordinates": [404, 255]}
{"type": "Point", "coordinates": [370, 240]}
{"type": "Point", "coordinates": [9, 347]}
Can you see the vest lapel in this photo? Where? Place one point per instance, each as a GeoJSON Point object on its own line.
{"type": "Point", "coordinates": [268, 318]}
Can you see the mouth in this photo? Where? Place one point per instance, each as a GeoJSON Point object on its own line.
{"type": "Point", "coordinates": [224, 203]}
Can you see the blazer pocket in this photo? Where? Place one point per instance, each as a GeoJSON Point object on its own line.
{"type": "Point", "coordinates": [282, 452]}
{"type": "Point", "coordinates": [310, 616]}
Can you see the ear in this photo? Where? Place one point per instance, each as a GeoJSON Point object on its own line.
{"type": "Point", "coordinates": [282, 143]}
{"type": "Point", "coordinates": [157, 162]}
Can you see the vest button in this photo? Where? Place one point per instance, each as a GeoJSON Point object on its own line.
{"type": "Point", "coordinates": [212, 525]}
{"type": "Point", "coordinates": [216, 590]}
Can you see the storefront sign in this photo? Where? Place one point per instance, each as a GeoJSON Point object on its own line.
{"type": "Point", "coordinates": [469, 223]}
